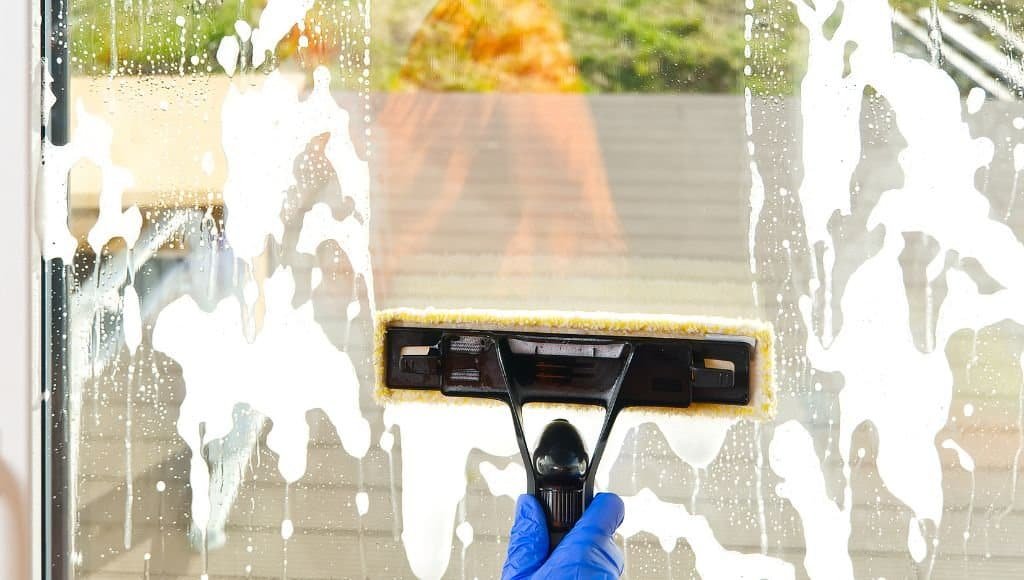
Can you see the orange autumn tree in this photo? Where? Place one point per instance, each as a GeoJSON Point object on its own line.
{"type": "Point", "coordinates": [490, 45]}
{"type": "Point", "coordinates": [515, 55]}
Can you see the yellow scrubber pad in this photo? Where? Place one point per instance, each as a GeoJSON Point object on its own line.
{"type": "Point", "coordinates": [762, 394]}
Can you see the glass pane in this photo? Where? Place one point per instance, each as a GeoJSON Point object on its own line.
{"type": "Point", "coordinates": [251, 180]}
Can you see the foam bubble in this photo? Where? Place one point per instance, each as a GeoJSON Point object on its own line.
{"type": "Point", "coordinates": [287, 529]}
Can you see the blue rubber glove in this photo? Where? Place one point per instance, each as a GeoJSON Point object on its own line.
{"type": "Point", "coordinates": [587, 551]}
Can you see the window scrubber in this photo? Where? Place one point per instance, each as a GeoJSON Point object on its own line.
{"type": "Point", "coordinates": [655, 363]}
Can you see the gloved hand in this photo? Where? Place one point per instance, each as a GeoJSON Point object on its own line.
{"type": "Point", "coordinates": [587, 551]}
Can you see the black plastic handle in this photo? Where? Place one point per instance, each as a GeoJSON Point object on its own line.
{"type": "Point", "coordinates": [561, 466]}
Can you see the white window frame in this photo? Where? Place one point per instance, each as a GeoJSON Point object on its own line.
{"type": "Point", "coordinates": [19, 497]}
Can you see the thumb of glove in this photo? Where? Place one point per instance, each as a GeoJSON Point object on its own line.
{"type": "Point", "coordinates": [528, 540]}
{"type": "Point", "coordinates": [589, 549]}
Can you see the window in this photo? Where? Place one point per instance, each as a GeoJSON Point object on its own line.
{"type": "Point", "coordinates": [233, 187]}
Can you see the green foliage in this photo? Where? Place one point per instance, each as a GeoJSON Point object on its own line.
{"type": "Point", "coordinates": [144, 36]}
{"type": "Point", "coordinates": [656, 45]}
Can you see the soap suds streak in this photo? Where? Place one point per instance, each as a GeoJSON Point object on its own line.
{"type": "Point", "coordinates": [937, 197]}
{"type": "Point", "coordinates": [290, 368]}
{"type": "Point", "coordinates": [387, 442]}
{"type": "Point", "coordinates": [264, 130]}
{"type": "Point", "coordinates": [227, 54]}
{"type": "Point", "coordinates": [91, 141]}
{"type": "Point", "coordinates": [671, 522]}
{"type": "Point", "coordinates": [319, 226]}
{"type": "Point", "coordinates": [464, 531]}
{"type": "Point", "coordinates": [131, 324]}
{"type": "Point", "coordinates": [433, 484]}
{"type": "Point", "coordinates": [967, 463]}
{"type": "Point", "coordinates": [509, 482]}
{"type": "Point", "coordinates": [826, 525]}
{"type": "Point", "coordinates": [1015, 468]}
{"type": "Point", "coordinates": [276, 20]}
{"type": "Point", "coordinates": [362, 503]}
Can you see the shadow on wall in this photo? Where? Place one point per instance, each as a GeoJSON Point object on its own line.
{"type": "Point", "coordinates": [13, 517]}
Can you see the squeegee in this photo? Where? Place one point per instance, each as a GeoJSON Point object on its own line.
{"type": "Point", "coordinates": [660, 364]}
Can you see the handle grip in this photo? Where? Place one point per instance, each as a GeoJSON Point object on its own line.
{"type": "Point", "coordinates": [563, 507]}
{"type": "Point", "coordinates": [560, 464]}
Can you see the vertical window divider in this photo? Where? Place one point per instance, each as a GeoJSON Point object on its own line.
{"type": "Point", "coordinates": [57, 510]}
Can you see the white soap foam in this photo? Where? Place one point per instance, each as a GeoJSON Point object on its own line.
{"type": "Point", "coordinates": [434, 483]}
{"type": "Point", "coordinates": [916, 545]}
{"type": "Point", "coordinates": [131, 317]}
{"type": "Point", "coordinates": [464, 532]}
{"type": "Point", "coordinates": [251, 292]}
{"type": "Point", "coordinates": [975, 100]}
{"type": "Point", "coordinates": [265, 129]}
{"type": "Point", "coordinates": [287, 529]}
{"type": "Point", "coordinates": [362, 503]}
{"type": "Point", "coordinates": [91, 141]}
{"type": "Point", "coordinates": [55, 239]}
{"type": "Point", "coordinates": [436, 440]}
{"type": "Point", "coordinates": [937, 197]}
{"type": "Point", "coordinates": [227, 54]}
{"type": "Point", "coordinates": [756, 182]}
{"type": "Point", "coordinates": [965, 459]}
{"type": "Point", "coordinates": [510, 482]}
{"type": "Point", "coordinates": [207, 163]}
{"type": "Point", "coordinates": [319, 225]}
{"type": "Point", "coordinates": [290, 368]}
{"type": "Point", "coordinates": [387, 441]}
{"type": "Point", "coordinates": [671, 522]}
{"type": "Point", "coordinates": [967, 463]}
{"type": "Point", "coordinates": [243, 30]}
{"type": "Point", "coordinates": [907, 459]}
{"type": "Point", "coordinates": [696, 440]}
{"type": "Point", "coordinates": [276, 20]}
{"type": "Point", "coordinates": [826, 527]}
{"type": "Point", "coordinates": [51, 198]}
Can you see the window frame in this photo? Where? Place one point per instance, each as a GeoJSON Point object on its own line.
{"type": "Point", "coordinates": [18, 148]}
